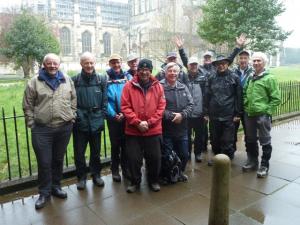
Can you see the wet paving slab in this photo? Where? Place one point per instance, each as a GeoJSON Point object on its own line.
{"type": "Point", "coordinates": [264, 186]}
{"type": "Point", "coordinates": [284, 171]}
{"type": "Point", "coordinates": [272, 201]}
{"type": "Point", "coordinates": [239, 197]}
{"type": "Point", "coordinates": [269, 211]}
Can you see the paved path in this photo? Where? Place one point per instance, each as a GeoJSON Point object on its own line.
{"type": "Point", "coordinates": [271, 201]}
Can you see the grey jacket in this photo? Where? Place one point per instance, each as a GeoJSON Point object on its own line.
{"type": "Point", "coordinates": [44, 106]}
{"type": "Point", "coordinates": [179, 100]}
{"type": "Point", "coordinates": [195, 87]}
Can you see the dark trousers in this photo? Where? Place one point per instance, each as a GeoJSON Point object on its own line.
{"type": "Point", "coordinates": [148, 147]}
{"type": "Point", "coordinates": [50, 145]}
{"type": "Point", "coordinates": [237, 126]}
{"type": "Point", "coordinates": [206, 125]}
{"type": "Point", "coordinates": [117, 142]}
{"type": "Point", "coordinates": [80, 141]}
{"type": "Point", "coordinates": [222, 137]}
{"type": "Point", "coordinates": [196, 127]}
{"type": "Point", "coordinates": [178, 145]}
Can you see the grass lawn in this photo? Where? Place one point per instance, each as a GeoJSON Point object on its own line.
{"type": "Point", "coordinates": [11, 96]}
{"type": "Point", "coordinates": [286, 73]}
{"type": "Point", "coordinates": [11, 93]}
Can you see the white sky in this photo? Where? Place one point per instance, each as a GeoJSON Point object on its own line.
{"type": "Point", "coordinates": [289, 20]}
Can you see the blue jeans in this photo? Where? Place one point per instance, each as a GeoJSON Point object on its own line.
{"type": "Point", "coordinates": [178, 145]}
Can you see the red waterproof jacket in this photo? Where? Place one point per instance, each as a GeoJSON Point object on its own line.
{"type": "Point", "coordinates": [138, 106]}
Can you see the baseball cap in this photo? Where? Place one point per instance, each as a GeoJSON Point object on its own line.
{"type": "Point", "coordinates": [171, 54]}
{"type": "Point", "coordinates": [208, 53]}
{"type": "Point", "coordinates": [244, 52]}
{"type": "Point", "coordinates": [131, 57]}
{"type": "Point", "coordinates": [193, 60]}
{"type": "Point", "coordinates": [114, 56]}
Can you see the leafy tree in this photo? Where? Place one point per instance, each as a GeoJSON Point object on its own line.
{"type": "Point", "coordinates": [27, 40]}
{"type": "Point", "coordinates": [223, 20]}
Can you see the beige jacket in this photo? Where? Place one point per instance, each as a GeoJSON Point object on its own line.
{"type": "Point", "coordinates": [42, 105]}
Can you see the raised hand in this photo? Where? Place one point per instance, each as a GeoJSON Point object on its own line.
{"type": "Point", "coordinates": [241, 40]}
{"type": "Point", "coordinates": [179, 42]}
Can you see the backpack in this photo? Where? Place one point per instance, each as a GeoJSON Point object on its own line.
{"type": "Point", "coordinates": [170, 167]}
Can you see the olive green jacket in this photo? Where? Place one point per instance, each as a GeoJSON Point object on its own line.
{"type": "Point", "coordinates": [42, 105]}
{"type": "Point", "coordinates": [261, 95]}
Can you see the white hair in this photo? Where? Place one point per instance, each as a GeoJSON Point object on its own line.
{"type": "Point", "coordinates": [51, 56]}
{"type": "Point", "coordinates": [260, 55]}
{"type": "Point", "coordinates": [87, 55]}
{"type": "Point", "coordinates": [171, 65]}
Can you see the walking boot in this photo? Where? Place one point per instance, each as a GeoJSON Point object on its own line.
{"type": "Point", "coordinates": [251, 164]}
{"type": "Point", "coordinates": [98, 181]}
{"type": "Point", "coordinates": [59, 193]}
{"type": "Point", "coordinates": [132, 188]}
{"type": "Point", "coordinates": [116, 176]}
{"type": "Point", "coordinates": [252, 157]}
{"type": "Point", "coordinates": [183, 177]}
{"type": "Point", "coordinates": [81, 184]}
{"type": "Point", "coordinates": [155, 187]}
{"type": "Point", "coordinates": [264, 165]}
{"type": "Point", "coordinates": [262, 172]}
{"type": "Point", "coordinates": [198, 158]}
{"type": "Point", "coordinates": [41, 202]}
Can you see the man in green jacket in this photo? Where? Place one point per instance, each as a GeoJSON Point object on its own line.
{"type": "Point", "coordinates": [261, 97]}
{"type": "Point", "coordinates": [91, 111]}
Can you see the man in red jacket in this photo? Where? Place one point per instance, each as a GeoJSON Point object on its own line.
{"type": "Point", "coordinates": [143, 103]}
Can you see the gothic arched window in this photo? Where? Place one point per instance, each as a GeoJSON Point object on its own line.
{"type": "Point", "coordinates": [65, 41]}
{"type": "Point", "coordinates": [107, 43]}
{"type": "Point", "coordinates": [86, 39]}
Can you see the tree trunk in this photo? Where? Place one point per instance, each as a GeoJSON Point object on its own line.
{"type": "Point", "coordinates": [26, 70]}
{"type": "Point", "coordinates": [27, 67]}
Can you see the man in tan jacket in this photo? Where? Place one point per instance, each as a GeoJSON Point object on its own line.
{"type": "Point", "coordinates": [49, 106]}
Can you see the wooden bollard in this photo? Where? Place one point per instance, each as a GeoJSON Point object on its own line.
{"type": "Point", "coordinates": [219, 196]}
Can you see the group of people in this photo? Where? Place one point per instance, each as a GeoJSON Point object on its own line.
{"type": "Point", "coordinates": [148, 116]}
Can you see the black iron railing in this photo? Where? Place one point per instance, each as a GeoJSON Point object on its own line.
{"type": "Point", "coordinates": [290, 96]}
{"type": "Point", "coordinates": [17, 159]}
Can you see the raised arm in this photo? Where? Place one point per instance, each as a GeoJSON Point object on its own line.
{"type": "Point", "coordinates": [240, 43]}
{"type": "Point", "coordinates": [179, 43]}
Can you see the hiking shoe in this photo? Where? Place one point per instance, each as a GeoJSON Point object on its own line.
{"type": "Point", "coordinates": [41, 202]}
{"type": "Point", "coordinates": [132, 188]}
{"type": "Point", "coordinates": [210, 163]}
{"type": "Point", "coordinates": [98, 181]}
{"type": "Point", "coordinates": [155, 187]}
{"type": "Point", "coordinates": [57, 192]}
{"type": "Point", "coordinates": [249, 166]}
{"type": "Point", "coordinates": [183, 178]}
{"type": "Point", "coordinates": [262, 172]}
{"type": "Point", "coordinates": [116, 177]}
{"type": "Point", "coordinates": [81, 184]}
{"type": "Point", "coordinates": [198, 158]}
